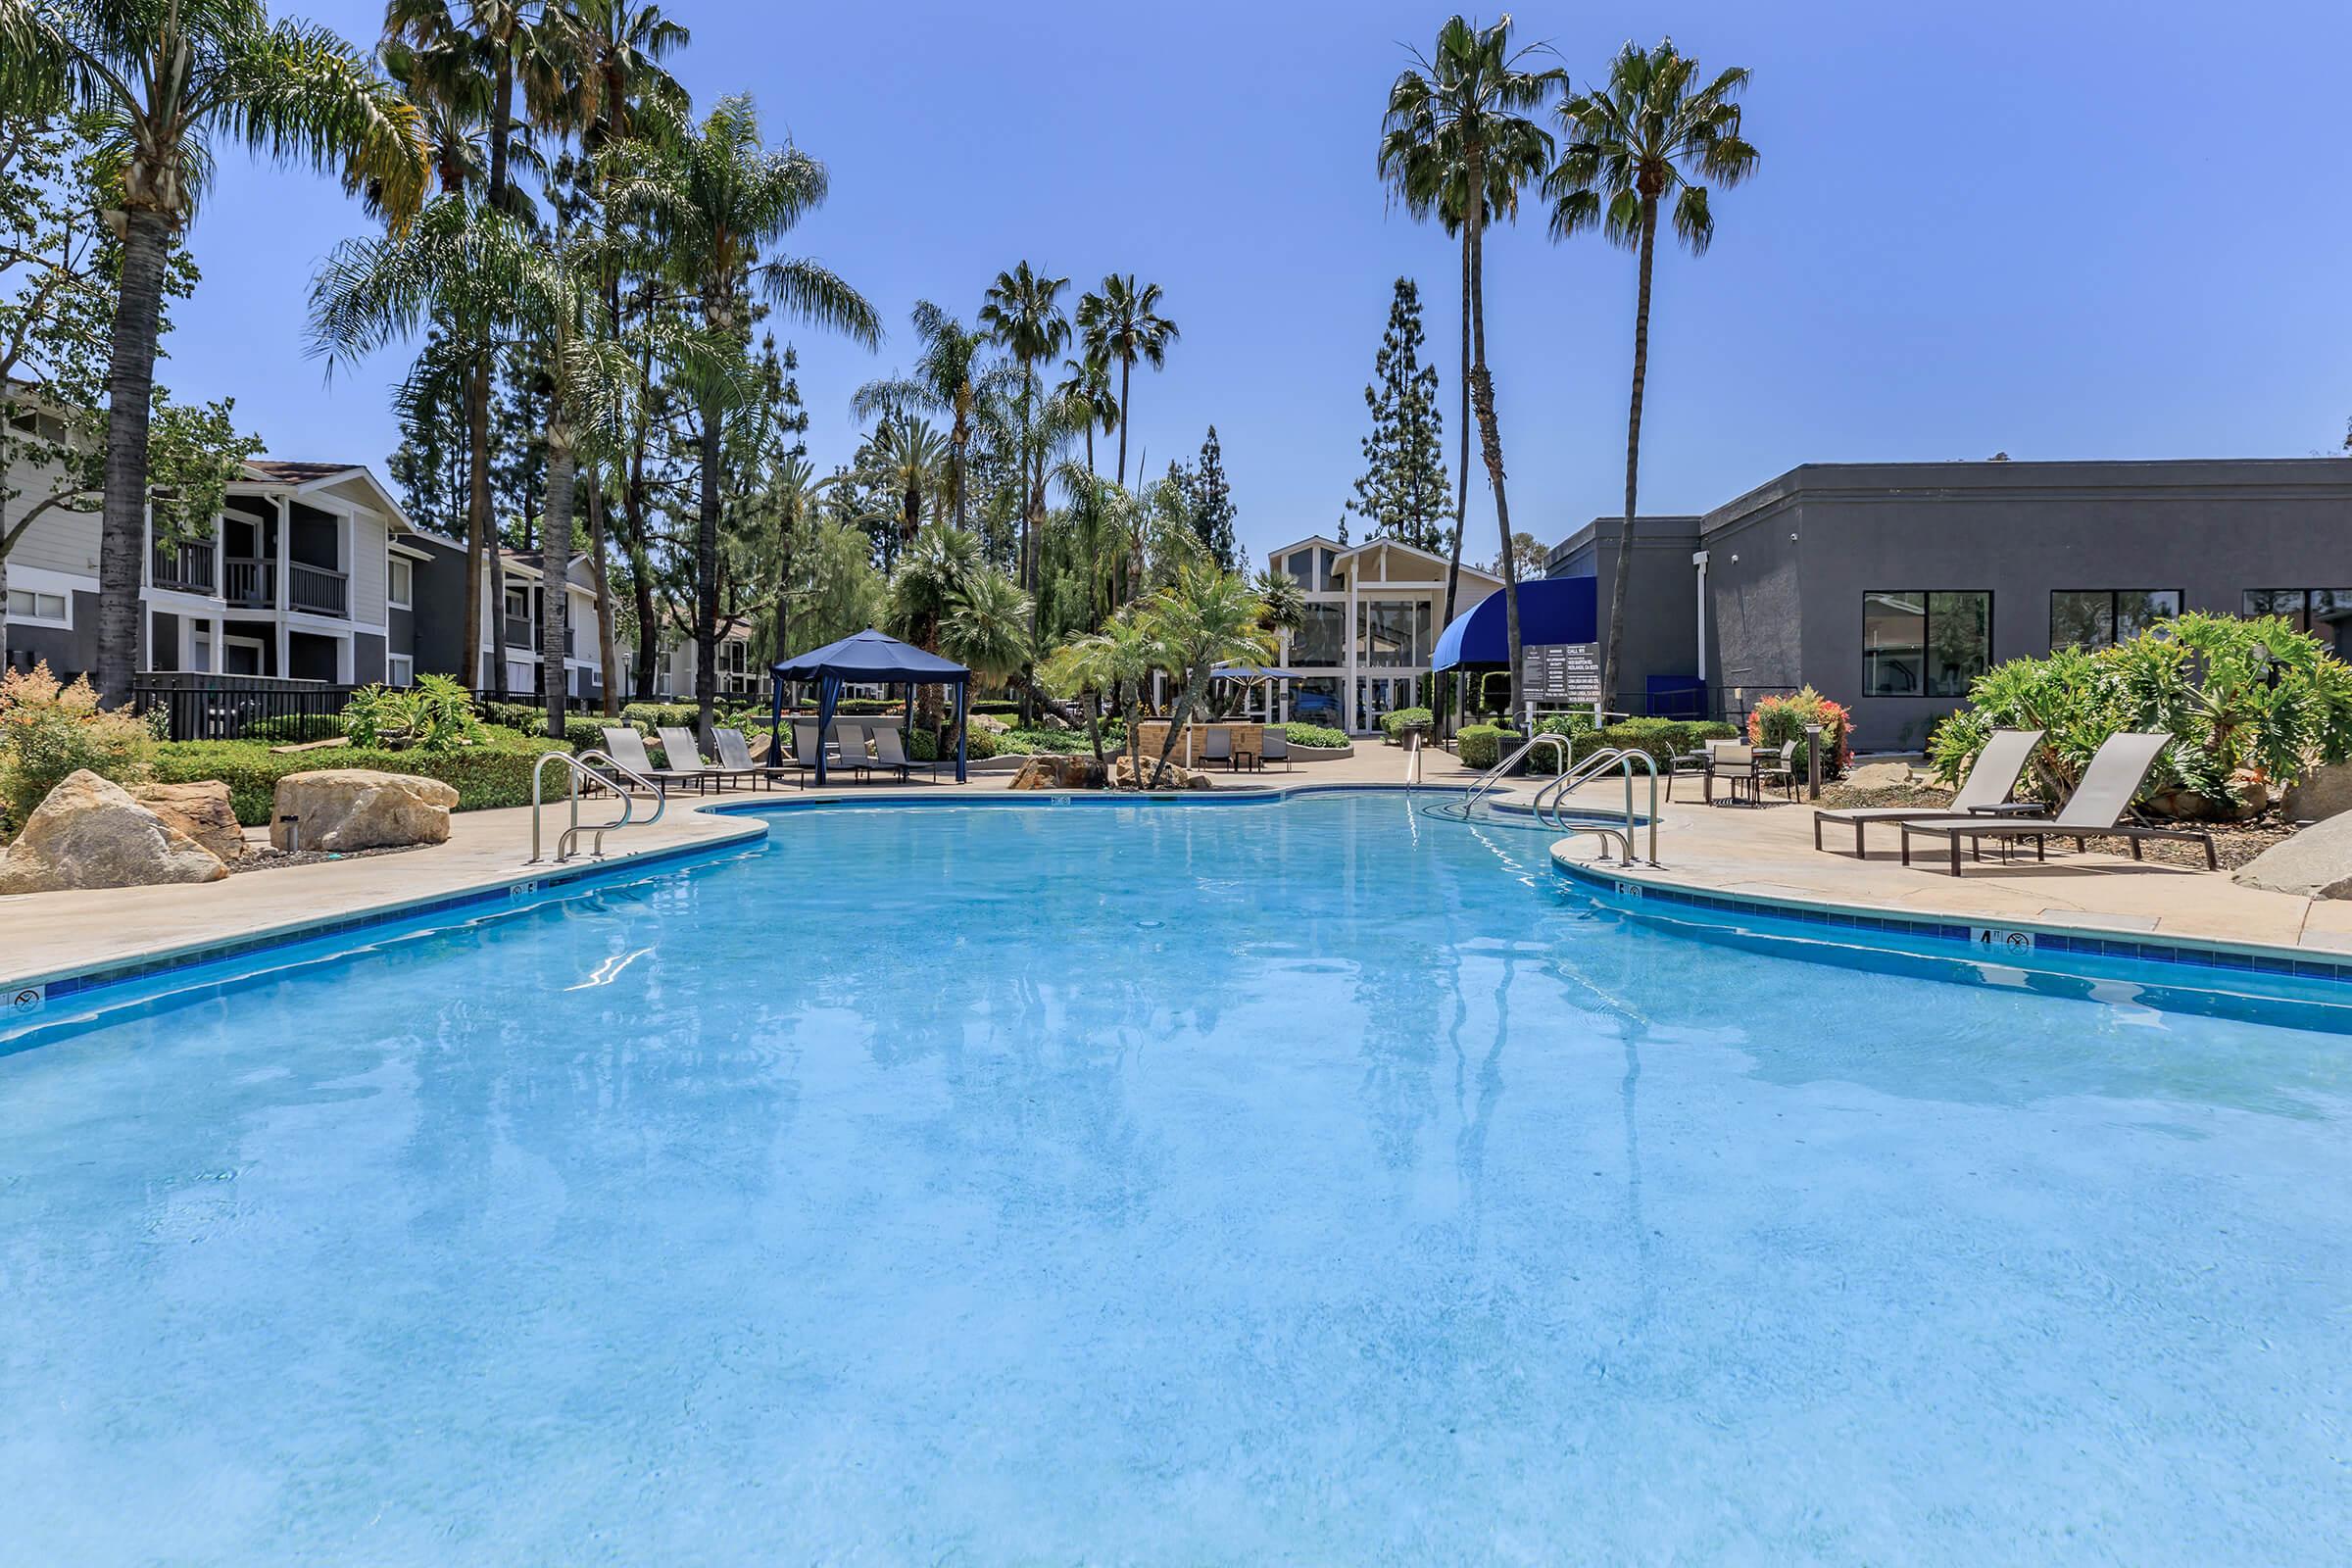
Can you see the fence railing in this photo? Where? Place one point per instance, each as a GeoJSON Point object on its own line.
{"type": "Point", "coordinates": [317, 590]}
{"type": "Point", "coordinates": [187, 567]}
{"type": "Point", "coordinates": [226, 707]}
{"type": "Point", "coordinates": [249, 584]}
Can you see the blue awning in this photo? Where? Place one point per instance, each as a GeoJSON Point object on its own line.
{"type": "Point", "coordinates": [872, 656]}
{"type": "Point", "coordinates": [1551, 610]}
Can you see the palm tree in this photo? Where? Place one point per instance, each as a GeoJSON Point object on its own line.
{"type": "Point", "coordinates": [164, 79]}
{"type": "Point", "coordinates": [912, 455]}
{"type": "Point", "coordinates": [930, 580]}
{"type": "Point", "coordinates": [715, 202]}
{"type": "Point", "coordinates": [1457, 142]}
{"type": "Point", "coordinates": [1023, 314]}
{"type": "Point", "coordinates": [944, 382]}
{"type": "Point", "coordinates": [1122, 323]}
{"type": "Point", "coordinates": [1652, 130]}
{"type": "Point", "coordinates": [1086, 403]}
{"type": "Point", "coordinates": [1205, 618]}
{"type": "Point", "coordinates": [987, 626]}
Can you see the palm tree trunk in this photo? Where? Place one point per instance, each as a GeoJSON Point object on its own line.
{"type": "Point", "coordinates": [478, 526]}
{"type": "Point", "coordinates": [1489, 435]}
{"type": "Point", "coordinates": [706, 574]}
{"type": "Point", "coordinates": [1461, 495]}
{"type": "Point", "coordinates": [1633, 458]}
{"type": "Point", "coordinates": [1126, 376]}
{"type": "Point", "coordinates": [129, 390]}
{"type": "Point", "coordinates": [554, 550]}
{"type": "Point", "coordinates": [607, 654]}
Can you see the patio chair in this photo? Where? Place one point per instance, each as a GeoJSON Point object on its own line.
{"type": "Point", "coordinates": [1686, 765]}
{"type": "Point", "coordinates": [1274, 745]}
{"type": "Point", "coordinates": [1992, 780]}
{"type": "Point", "coordinates": [852, 757]}
{"type": "Point", "coordinates": [679, 746]}
{"type": "Point", "coordinates": [1216, 745]}
{"type": "Point", "coordinates": [1777, 767]}
{"type": "Point", "coordinates": [2095, 810]}
{"type": "Point", "coordinates": [889, 752]}
{"type": "Point", "coordinates": [1727, 760]}
{"type": "Point", "coordinates": [735, 755]}
{"type": "Point", "coordinates": [627, 748]}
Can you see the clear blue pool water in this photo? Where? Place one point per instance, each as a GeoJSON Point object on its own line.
{"type": "Point", "coordinates": [1310, 1183]}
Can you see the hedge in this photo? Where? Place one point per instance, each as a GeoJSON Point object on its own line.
{"type": "Point", "coordinates": [1480, 746]}
{"type": "Point", "coordinates": [1392, 723]}
{"type": "Point", "coordinates": [1315, 735]}
{"type": "Point", "coordinates": [484, 776]}
{"type": "Point", "coordinates": [1664, 739]}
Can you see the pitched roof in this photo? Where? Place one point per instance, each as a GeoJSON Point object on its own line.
{"type": "Point", "coordinates": [299, 472]}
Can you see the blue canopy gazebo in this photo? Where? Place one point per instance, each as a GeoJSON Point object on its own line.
{"type": "Point", "coordinates": [868, 658]}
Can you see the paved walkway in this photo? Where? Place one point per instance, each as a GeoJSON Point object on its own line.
{"type": "Point", "coordinates": [1761, 851]}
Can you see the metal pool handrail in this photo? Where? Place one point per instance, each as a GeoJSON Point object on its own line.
{"type": "Point", "coordinates": [1487, 779]}
{"type": "Point", "coordinates": [1547, 799]}
{"type": "Point", "coordinates": [577, 769]}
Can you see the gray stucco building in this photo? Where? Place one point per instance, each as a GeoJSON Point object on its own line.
{"type": "Point", "coordinates": [1890, 586]}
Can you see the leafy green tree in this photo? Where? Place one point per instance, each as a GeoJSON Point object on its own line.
{"type": "Point", "coordinates": [1205, 617]}
{"type": "Point", "coordinates": [1401, 493]}
{"type": "Point", "coordinates": [1213, 503]}
{"type": "Point", "coordinates": [164, 79]}
{"type": "Point", "coordinates": [1657, 130]}
{"type": "Point", "coordinates": [1120, 323]}
{"type": "Point", "coordinates": [987, 626]}
{"type": "Point", "coordinates": [1457, 142]}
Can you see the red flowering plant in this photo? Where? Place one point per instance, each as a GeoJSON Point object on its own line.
{"type": "Point", "coordinates": [1777, 720]}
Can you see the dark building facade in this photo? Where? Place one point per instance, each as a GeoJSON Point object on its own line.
{"type": "Point", "coordinates": [1891, 587]}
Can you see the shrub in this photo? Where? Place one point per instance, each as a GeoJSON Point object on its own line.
{"type": "Point", "coordinates": [49, 729]}
{"type": "Point", "coordinates": [496, 772]}
{"type": "Point", "coordinates": [2247, 702]}
{"type": "Point", "coordinates": [1576, 721]}
{"type": "Point", "coordinates": [1778, 720]}
{"type": "Point", "coordinates": [1315, 735]}
{"type": "Point", "coordinates": [651, 716]}
{"type": "Point", "coordinates": [581, 732]}
{"type": "Point", "coordinates": [1480, 746]}
{"type": "Point", "coordinates": [436, 714]}
{"type": "Point", "coordinates": [285, 729]}
{"type": "Point", "coordinates": [1394, 722]}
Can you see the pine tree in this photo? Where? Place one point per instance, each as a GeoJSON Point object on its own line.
{"type": "Point", "coordinates": [1212, 503]}
{"type": "Point", "coordinates": [1402, 494]}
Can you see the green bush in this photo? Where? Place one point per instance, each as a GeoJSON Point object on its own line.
{"type": "Point", "coordinates": [1776, 722]}
{"type": "Point", "coordinates": [286, 729]}
{"type": "Point", "coordinates": [1315, 735]}
{"type": "Point", "coordinates": [436, 714]}
{"type": "Point", "coordinates": [49, 729]}
{"type": "Point", "coordinates": [651, 716]}
{"type": "Point", "coordinates": [1664, 739]}
{"type": "Point", "coordinates": [496, 772]}
{"type": "Point", "coordinates": [1480, 746]}
{"type": "Point", "coordinates": [1392, 723]}
{"type": "Point", "coordinates": [2247, 702]}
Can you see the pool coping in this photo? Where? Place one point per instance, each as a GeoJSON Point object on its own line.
{"type": "Point", "coordinates": [1628, 891]}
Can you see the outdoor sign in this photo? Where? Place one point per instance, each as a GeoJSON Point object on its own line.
{"type": "Point", "coordinates": [1561, 673]}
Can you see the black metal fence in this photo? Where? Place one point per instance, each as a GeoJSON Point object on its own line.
{"type": "Point", "coordinates": [227, 708]}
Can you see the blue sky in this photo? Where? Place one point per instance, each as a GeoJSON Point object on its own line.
{"type": "Point", "coordinates": [2061, 230]}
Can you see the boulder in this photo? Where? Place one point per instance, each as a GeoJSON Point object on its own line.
{"type": "Point", "coordinates": [1057, 773]}
{"type": "Point", "coordinates": [346, 808]}
{"type": "Point", "coordinates": [989, 724]}
{"type": "Point", "coordinates": [2319, 794]}
{"type": "Point", "coordinates": [2187, 806]}
{"type": "Point", "coordinates": [1883, 776]}
{"type": "Point", "coordinates": [89, 833]}
{"type": "Point", "coordinates": [201, 810]}
{"type": "Point", "coordinates": [2316, 862]}
{"type": "Point", "coordinates": [1178, 777]}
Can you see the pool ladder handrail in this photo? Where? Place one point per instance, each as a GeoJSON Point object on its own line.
{"type": "Point", "coordinates": [1493, 775]}
{"type": "Point", "coordinates": [577, 769]}
{"type": "Point", "coordinates": [1548, 801]}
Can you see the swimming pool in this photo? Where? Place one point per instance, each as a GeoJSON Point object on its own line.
{"type": "Point", "coordinates": [1302, 1181]}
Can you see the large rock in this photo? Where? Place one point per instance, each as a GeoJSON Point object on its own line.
{"type": "Point", "coordinates": [89, 833]}
{"type": "Point", "coordinates": [201, 810]}
{"type": "Point", "coordinates": [1178, 776]}
{"type": "Point", "coordinates": [2319, 794]}
{"type": "Point", "coordinates": [346, 808]}
{"type": "Point", "coordinates": [1050, 772]}
{"type": "Point", "coordinates": [2316, 862]}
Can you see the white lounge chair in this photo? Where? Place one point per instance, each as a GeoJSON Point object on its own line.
{"type": "Point", "coordinates": [679, 748]}
{"type": "Point", "coordinates": [1992, 780]}
{"type": "Point", "coordinates": [890, 753]}
{"type": "Point", "coordinates": [2094, 810]}
{"type": "Point", "coordinates": [627, 748]}
{"type": "Point", "coordinates": [735, 755]}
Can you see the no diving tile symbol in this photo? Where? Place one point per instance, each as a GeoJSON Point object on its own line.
{"type": "Point", "coordinates": [27, 999]}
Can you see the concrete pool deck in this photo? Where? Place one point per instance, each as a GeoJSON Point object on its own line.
{"type": "Point", "coordinates": [1764, 852]}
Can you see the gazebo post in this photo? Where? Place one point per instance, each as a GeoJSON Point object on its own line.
{"type": "Point", "coordinates": [963, 693]}
{"type": "Point", "coordinates": [775, 721]}
{"type": "Point", "coordinates": [828, 696]}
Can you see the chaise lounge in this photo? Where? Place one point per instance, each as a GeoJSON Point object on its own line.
{"type": "Point", "coordinates": [2094, 810]}
{"type": "Point", "coordinates": [1992, 780]}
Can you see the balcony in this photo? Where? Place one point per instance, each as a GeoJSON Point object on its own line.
{"type": "Point", "coordinates": [187, 568]}
{"type": "Point", "coordinates": [522, 633]}
{"type": "Point", "coordinates": [248, 584]}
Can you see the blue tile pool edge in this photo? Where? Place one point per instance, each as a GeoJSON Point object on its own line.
{"type": "Point", "coordinates": [1631, 895]}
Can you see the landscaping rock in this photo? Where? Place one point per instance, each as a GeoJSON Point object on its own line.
{"type": "Point", "coordinates": [359, 808]}
{"type": "Point", "coordinates": [201, 810]}
{"type": "Point", "coordinates": [2316, 862]}
{"type": "Point", "coordinates": [1882, 776]}
{"type": "Point", "coordinates": [1179, 776]}
{"type": "Point", "coordinates": [1050, 772]}
{"type": "Point", "coordinates": [89, 833]}
{"type": "Point", "coordinates": [2320, 794]}
{"type": "Point", "coordinates": [989, 724]}
{"type": "Point", "coordinates": [2187, 806]}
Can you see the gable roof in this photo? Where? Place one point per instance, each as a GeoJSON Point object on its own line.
{"type": "Point", "coordinates": [305, 475]}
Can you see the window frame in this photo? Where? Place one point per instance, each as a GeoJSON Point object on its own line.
{"type": "Point", "coordinates": [1927, 598]}
{"type": "Point", "coordinates": [2302, 617]}
{"type": "Point", "coordinates": [397, 567]}
{"type": "Point", "coordinates": [393, 674]}
{"type": "Point", "coordinates": [64, 618]}
{"type": "Point", "coordinates": [2115, 611]}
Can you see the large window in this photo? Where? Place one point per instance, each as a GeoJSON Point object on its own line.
{"type": "Point", "coordinates": [1920, 643]}
{"type": "Point", "coordinates": [1321, 636]}
{"type": "Point", "coordinates": [399, 581]}
{"type": "Point", "coordinates": [1312, 568]}
{"type": "Point", "coordinates": [2095, 618]}
{"type": "Point", "coordinates": [2302, 606]}
{"type": "Point", "coordinates": [1391, 633]}
{"type": "Point", "coordinates": [26, 604]}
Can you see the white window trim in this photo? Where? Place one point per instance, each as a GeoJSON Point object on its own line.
{"type": "Point", "coordinates": [394, 672]}
{"type": "Point", "coordinates": [62, 620]}
{"type": "Point", "coordinates": [394, 567]}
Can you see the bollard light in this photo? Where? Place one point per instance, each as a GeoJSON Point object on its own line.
{"type": "Point", "coordinates": [1813, 761]}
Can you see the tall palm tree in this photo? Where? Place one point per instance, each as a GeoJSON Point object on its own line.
{"type": "Point", "coordinates": [1458, 141]}
{"type": "Point", "coordinates": [715, 202]}
{"type": "Point", "coordinates": [912, 456]}
{"type": "Point", "coordinates": [1023, 314]}
{"type": "Point", "coordinates": [946, 381]}
{"type": "Point", "coordinates": [166, 79]}
{"type": "Point", "coordinates": [1084, 394]}
{"type": "Point", "coordinates": [1655, 129]}
{"type": "Point", "coordinates": [1122, 323]}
